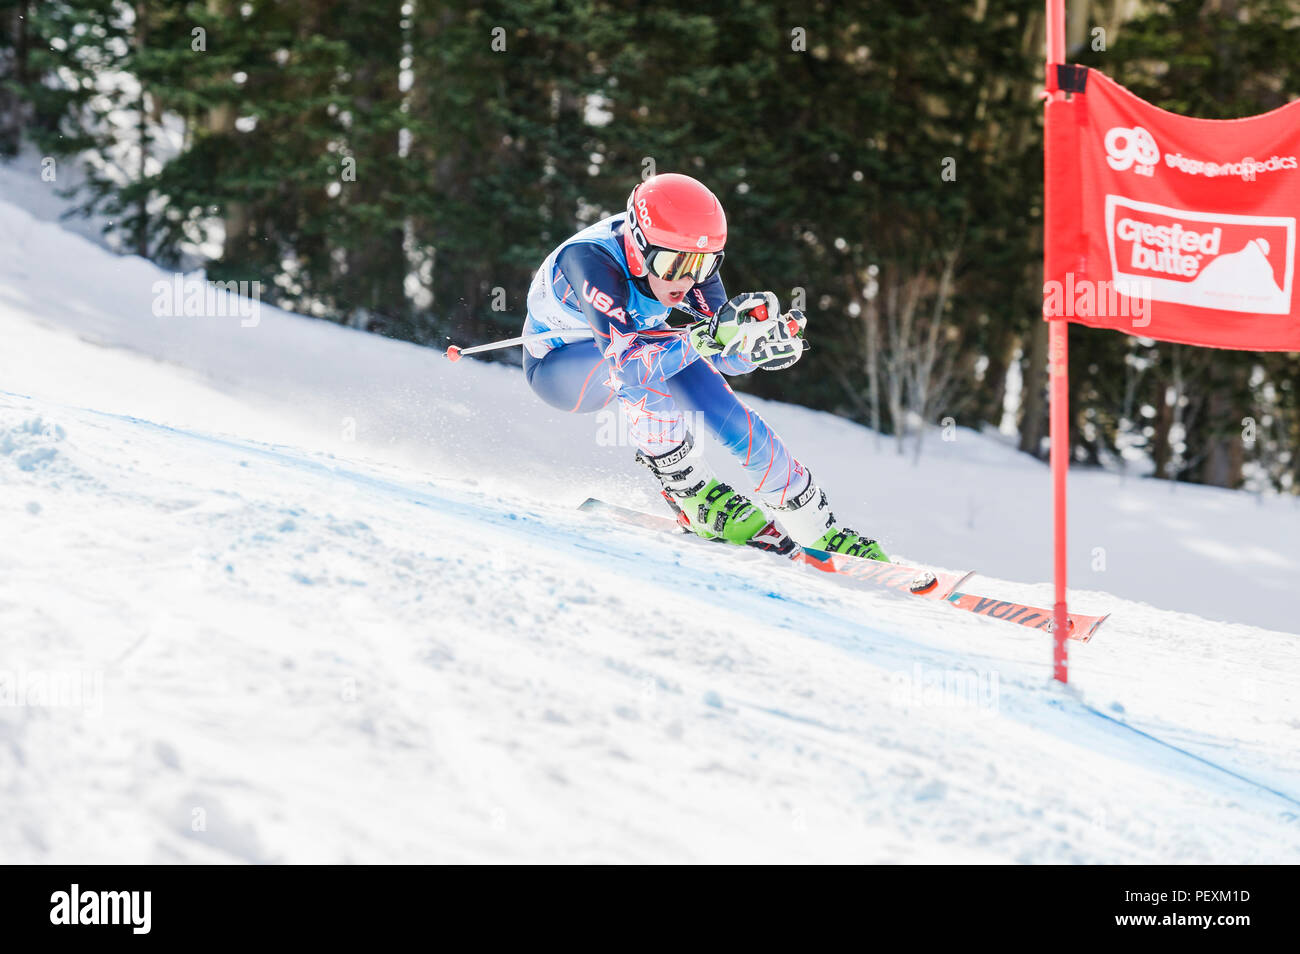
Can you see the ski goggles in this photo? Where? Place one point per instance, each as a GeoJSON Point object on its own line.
{"type": "Point", "coordinates": [670, 265]}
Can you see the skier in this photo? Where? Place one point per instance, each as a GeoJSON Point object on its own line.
{"type": "Point", "coordinates": [621, 277]}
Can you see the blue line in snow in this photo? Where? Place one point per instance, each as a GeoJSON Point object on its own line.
{"type": "Point", "coordinates": [1190, 754]}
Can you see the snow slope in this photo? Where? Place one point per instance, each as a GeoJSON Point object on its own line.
{"type": "Point", "coordinates": [325, 597]}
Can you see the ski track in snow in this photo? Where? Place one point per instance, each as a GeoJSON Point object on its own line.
{"type": "Point", "coordinates": [315, 656]}
{"type": "Point", "coordinates": [411, 647]}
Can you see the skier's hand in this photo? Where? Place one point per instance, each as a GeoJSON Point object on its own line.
{"type": "Point", "coordinates": [702, 340]}
{"type": "Point", "coordinates": [784, 343]}
{"type": "Point", "coordinates": [737, 327]}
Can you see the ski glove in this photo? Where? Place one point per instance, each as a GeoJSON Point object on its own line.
{"type": "Point", "coordinates": [783, 345]}
{"type": "Point", "coordinates": [751, 325]}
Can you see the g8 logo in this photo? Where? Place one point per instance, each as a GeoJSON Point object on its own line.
{"type": "Point", "coordinates": [1127, 146]}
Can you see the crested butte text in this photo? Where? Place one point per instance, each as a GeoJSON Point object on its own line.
{"type": "Point", "coordinates": [198, 298]}
{"type": "Point", "coordinates": [102, 907]}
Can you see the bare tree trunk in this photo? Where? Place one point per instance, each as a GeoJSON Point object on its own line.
{"type": "Point", "coordinates": [372, 280]}
{"type": "Point", "coordinates": [141, 230]}
{"type": "Point", "coordinates": [872, 317]}
{"type": "Point", "coordinates": [1033, 423]}
{"type": "Point", "coordinates": [924, 390]}
{"type": "Point", "coordinates": [1160, 449]}
{"type": "Point", "coordinates": [220, 121]}
{"type": "Point", "coordinates": [13, 108]}
{"type": "Point", "coordinates": [1224, 455]}
{"type": "Point", "coordinates": [1133, 375]}
{"type": "Point", "coordinates": [900, 313]}
{"type": "Point", "coordinates": [1178, 428]}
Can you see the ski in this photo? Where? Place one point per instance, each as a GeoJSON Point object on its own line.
{"type": "Point", "coordinates": [1082, 627]}
{"type": "Point", "coordinates": [927, 584]}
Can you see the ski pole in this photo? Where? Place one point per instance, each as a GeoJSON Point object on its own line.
{"type": "Point", "coordinates": [455, 354]}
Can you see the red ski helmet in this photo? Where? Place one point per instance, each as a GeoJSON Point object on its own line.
{"type": "Point", "coordinates": [675, 227]}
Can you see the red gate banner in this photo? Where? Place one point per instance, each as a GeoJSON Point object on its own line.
{"type": "Point", "coordinates": [1169, 227]}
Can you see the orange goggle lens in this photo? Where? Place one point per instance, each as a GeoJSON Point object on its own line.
{"type": "Point", "coordinates": [670, 266]}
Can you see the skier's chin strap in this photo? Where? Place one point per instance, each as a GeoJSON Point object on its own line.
{"type": "Point", "coordinates": [643, 286]}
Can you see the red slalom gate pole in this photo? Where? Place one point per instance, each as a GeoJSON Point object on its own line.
{"type": "Point", "coordinates": [1059, 431]}
{"type": "Point", "coordinates": [1058, 348]}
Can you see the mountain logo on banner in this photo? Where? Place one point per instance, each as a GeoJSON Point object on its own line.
{"type": "Point", "coordinates": [1217, 260]}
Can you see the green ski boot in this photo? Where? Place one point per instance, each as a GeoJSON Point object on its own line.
{"type": "Point", "coordinates": [708, 507]}
{"type": "Point", "coordinates": [808, 518]}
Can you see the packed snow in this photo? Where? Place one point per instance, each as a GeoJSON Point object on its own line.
{"type": "Point", "coordinates": [273, 590]}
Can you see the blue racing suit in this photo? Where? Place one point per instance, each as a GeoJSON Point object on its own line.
{"type": "Point", "coordinates": [664, 386]}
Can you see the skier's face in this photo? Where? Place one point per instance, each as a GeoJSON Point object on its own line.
{"type": "Point", "coordinates": [670, 293]}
